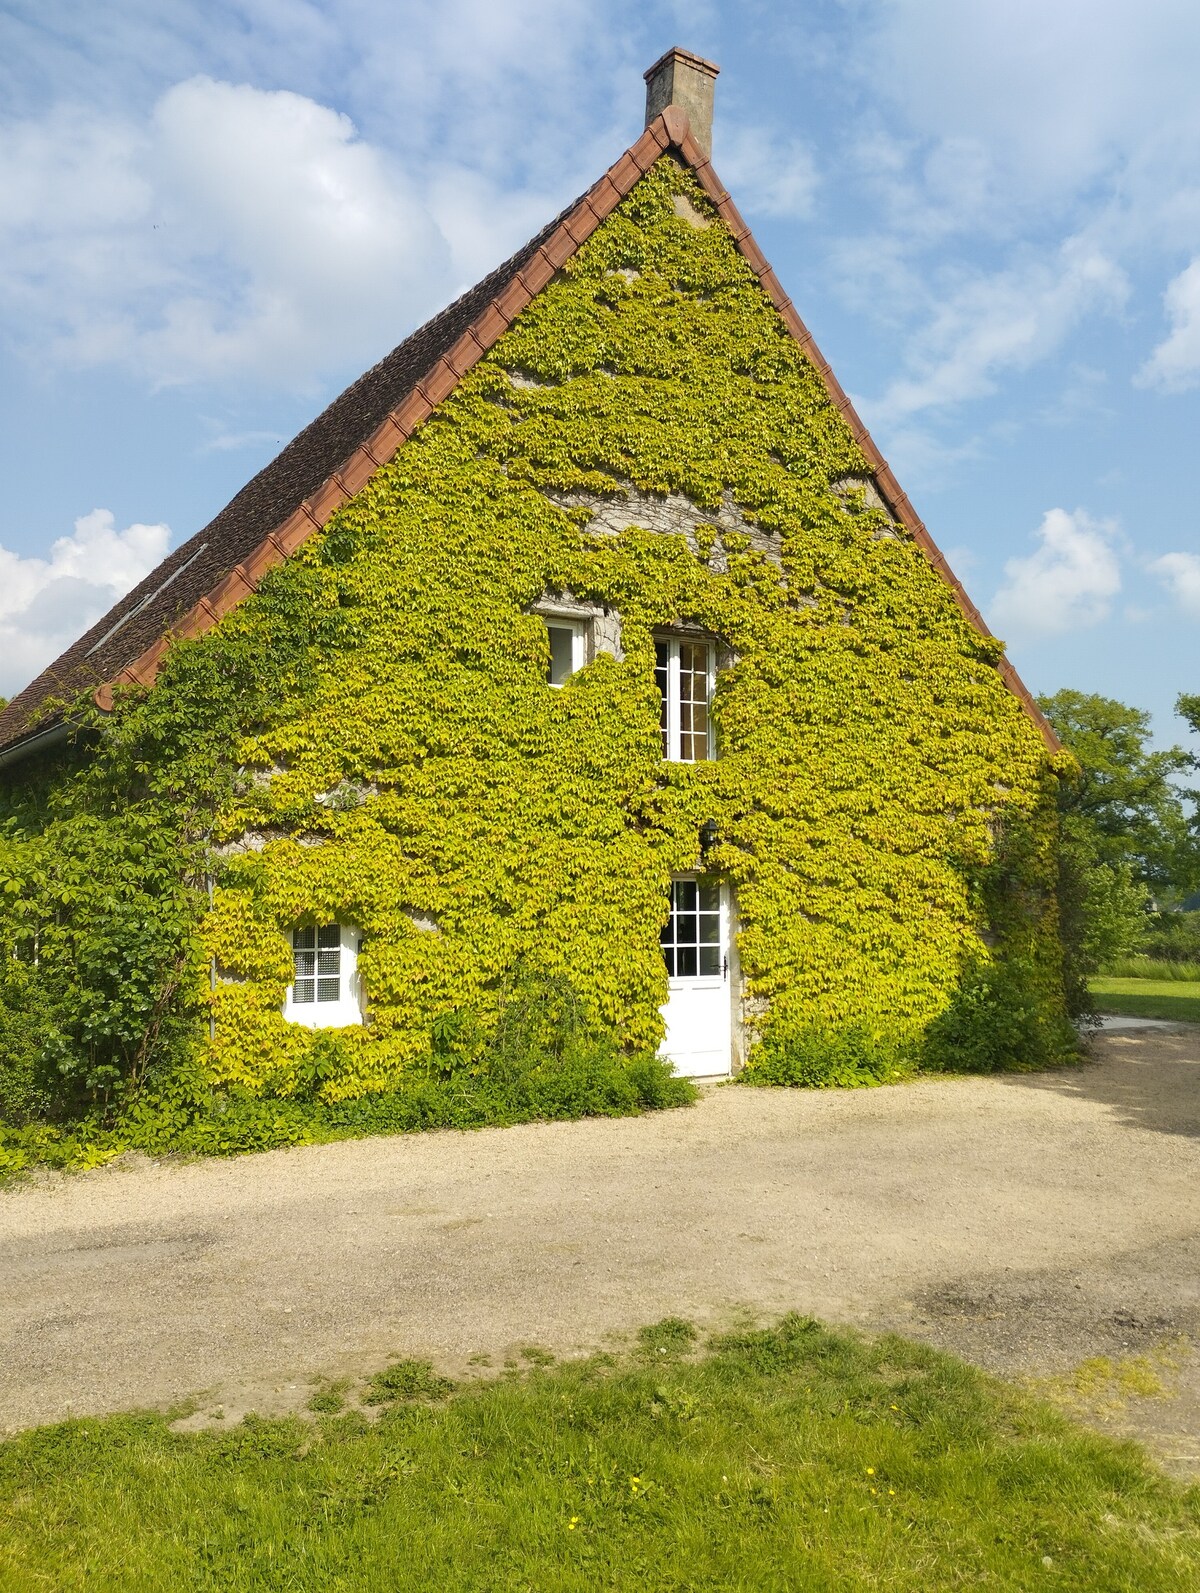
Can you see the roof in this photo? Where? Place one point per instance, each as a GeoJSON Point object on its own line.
{"type": "Point", "coordinates": [360, 431]}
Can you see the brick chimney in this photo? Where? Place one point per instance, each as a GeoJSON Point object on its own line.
{"type": "Point", "coordinates": [683, 79]}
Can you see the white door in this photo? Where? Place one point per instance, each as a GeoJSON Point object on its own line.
{"type": "Point", "coordinates": [695, 943]}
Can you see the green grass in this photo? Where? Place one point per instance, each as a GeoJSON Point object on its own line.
{"type": "Point", "coordinates": [1148, 998]}
{"type": "Point", "coordinates": [790, 1458]}
{"type": "Point", "coordinates": [1153, 968]}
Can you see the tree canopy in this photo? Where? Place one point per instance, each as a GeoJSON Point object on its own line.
{"type": "Point", "coordinates": [1128, 799]}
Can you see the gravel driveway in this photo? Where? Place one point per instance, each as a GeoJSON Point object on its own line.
{"type": "Point", "coordinates": [1024, 1222]}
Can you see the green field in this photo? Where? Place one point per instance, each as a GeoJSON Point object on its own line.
{"type": "Point", "coordinates": [790, 1458]}
{"type": "Point", "coordinates": [1174, 999]}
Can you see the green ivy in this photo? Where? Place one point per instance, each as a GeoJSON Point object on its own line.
{"type": "Point", "coordinates": [371, 738]}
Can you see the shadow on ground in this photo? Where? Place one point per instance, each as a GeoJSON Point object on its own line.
{"type": "Point", "coordinates": [1150, 1078]}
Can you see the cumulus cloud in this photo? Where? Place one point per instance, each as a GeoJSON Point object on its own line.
{"type": "Point", "coordinates": [1004, 321]}
{"type": "Point", "coordinates": [1180, 574]}
{"type": "Point", "coordinates": [1008, 119]}
{"type": "Point", "coordinates": [772, 177]}
{"type": "Point", "coordinates": [1067, 583]}
{"type": "Point", "coordinates": [1175, 363]}
{"type": "Point", "coordinates": [235, 232]}
{"type": "Point", "coordinates": [1052, 93]}
{"type": "Point", "coordinates": [45, 604]}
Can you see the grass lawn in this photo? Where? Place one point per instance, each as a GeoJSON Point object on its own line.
{"type": "Point", "coordinates": [785, 1459]}
{"type": "Point", "coordinates": [1149, 998]}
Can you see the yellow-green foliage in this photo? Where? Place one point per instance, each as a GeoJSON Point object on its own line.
{"type": "Point", "coordinates": [867, 745]}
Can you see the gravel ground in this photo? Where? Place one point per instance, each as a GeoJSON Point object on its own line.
{"type": "Point", "coordinates": [1025, 1223]}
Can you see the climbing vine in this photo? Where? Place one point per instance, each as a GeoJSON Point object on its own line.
{"type": "Point", "coordinates": [371, 739]}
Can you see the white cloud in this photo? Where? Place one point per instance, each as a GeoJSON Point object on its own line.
{"type": "Point", "coordinates": [1067, 583]}
{"type": "Point", "coordinates": [771, 177]}
{"type": "Point", "coordinates": [45, 604]}
{"type": "Point", "coordinates": [1175, 363]}
{"type": "Point", "coordinates": [236, 232]}
{"type": "Point", "coordinates": [1005, 120]}
{"type": "Point", "coordinates": [1180, 574]}
{"type": "Point", "coordinates": [1053, 94]}
{"type": "Point", "coordinates": [1005, 321]}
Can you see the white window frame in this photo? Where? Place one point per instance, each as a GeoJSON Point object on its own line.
{"type": "Point", "coordinates": [578, 630]}
{"type": "Point", "coordinates": [673, 739]}
{"type": "Point", "coordinates": [347, 1009]}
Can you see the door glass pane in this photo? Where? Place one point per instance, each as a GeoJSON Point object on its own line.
{"type": "Point", "coordinates": [691, 937]}
{"type": "Point", "coordinates": [708, 897]}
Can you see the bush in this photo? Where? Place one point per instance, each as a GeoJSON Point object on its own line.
{"type": "Point", "coordinates": [995, 1023]}
{"type": "Point", "coordinates": [998, 1021]}
{"type": "Point", "coordinates": [1170, 937]}
{"type": "Point", "coordinates": [27, 1032]}
{"type": "Point", "coordinates": [541, 1061]}
{"type": "Point", "coordinates": [830, 1059]}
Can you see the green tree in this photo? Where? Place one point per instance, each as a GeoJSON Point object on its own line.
{"type": "Point", "coordinates": [1127, 797]}
{"type": "Point", "coordinates": [1127, 839]}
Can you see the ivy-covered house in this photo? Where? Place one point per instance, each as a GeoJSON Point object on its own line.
{"type": "Point", "coordinates": [587, 633]}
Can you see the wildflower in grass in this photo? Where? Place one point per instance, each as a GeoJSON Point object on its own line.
{"type": "Point", "coordinates": [572, 1523]}
{"type": "Point", "coordinates": [870, 1471]}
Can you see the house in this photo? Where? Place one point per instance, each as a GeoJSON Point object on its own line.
{"type": "Point", "coordinates": [588, 631]}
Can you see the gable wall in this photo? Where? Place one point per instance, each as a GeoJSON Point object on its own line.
{"type": "Point", "coordinates": [648, 439]}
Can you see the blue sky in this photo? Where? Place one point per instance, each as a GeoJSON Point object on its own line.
{"type": "Point", "coordinates": [213, 217]}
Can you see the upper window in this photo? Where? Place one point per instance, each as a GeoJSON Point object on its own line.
{"type": "Point", "coordinates": [324, 993]}
{"type": "Point", "coordinates": [568, 646]}
{"type": "Point", "coordinates": [684, 671]}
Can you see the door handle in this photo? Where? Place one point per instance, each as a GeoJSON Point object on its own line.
{"type": "Point", "coordinates": [724, 967]}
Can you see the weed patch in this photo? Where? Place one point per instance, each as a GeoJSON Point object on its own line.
{"type": "Point", "coordinates": [786, 1457]}
{"type": "Point", "coordinates": [406, 1380]}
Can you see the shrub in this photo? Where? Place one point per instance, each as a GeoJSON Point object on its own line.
{"type": "Point", "coordinates": [1171, 937]}
{"type": "Point", "coordinates": [541, 1061]}
{"type": "Point", "coordinates": [830, 1059]}
{"type": "Point", "coordinates": [995, 1023]}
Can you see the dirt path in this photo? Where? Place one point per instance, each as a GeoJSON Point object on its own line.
{"type": "Point", "coordinates": [1024, 1222]}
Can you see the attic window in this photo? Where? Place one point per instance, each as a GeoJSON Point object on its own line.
{"type": "Point", "coordinates": [324, 993]}
{"type": "Point", "coordinates": [685, 673]}
{"type": "Point", "coordinates": [568, 648]}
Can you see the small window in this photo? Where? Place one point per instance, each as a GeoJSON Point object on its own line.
{"type": "Point", "coordinates": [684, 672]}
{"type": "Point", "coordinates": [324, 991]}
{"type": "Point", "coordinates": [567, 649]}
